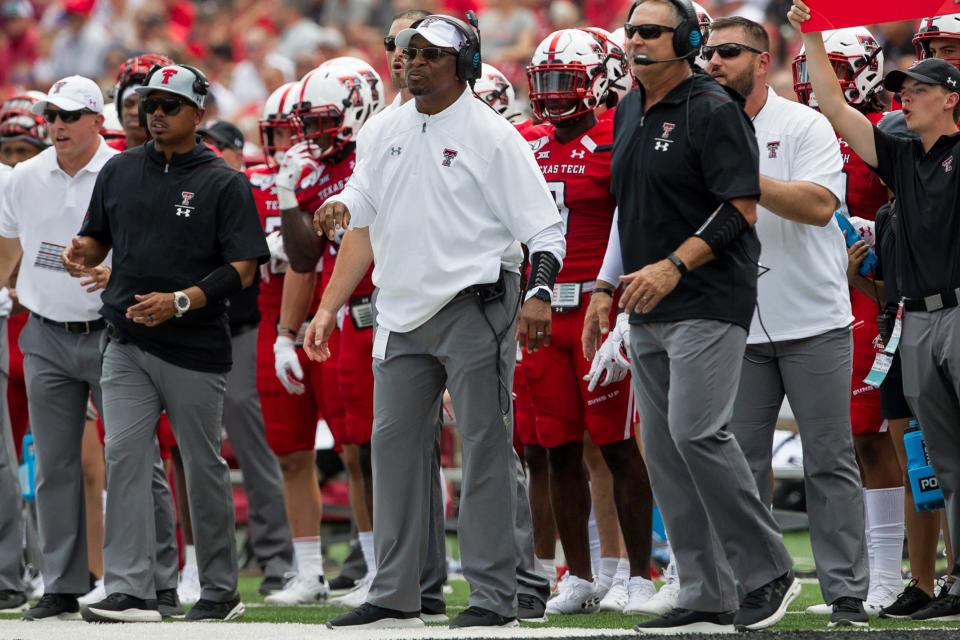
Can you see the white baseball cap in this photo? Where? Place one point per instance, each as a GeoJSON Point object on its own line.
{"type": "Point", "coordinates": [72, 94]}
{"type": "Point", "coordinates": [178, 80]}
{"type": "Point", "coordinates": [437, 32]}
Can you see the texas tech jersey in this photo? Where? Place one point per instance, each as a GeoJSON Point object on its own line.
{"type": "Point", "coordinates": [865, 191]}
{"type": "Point", "coordinates": [578, 174]}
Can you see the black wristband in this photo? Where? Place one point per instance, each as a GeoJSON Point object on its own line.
{"type": "Point", "coordinates": [722, 228]}
{"type": "Point", "coordinates": [544, 268]}
{"type": "Point", "coordinates": [678, 263]}
{"type": "Point", "coordinates": [223, 282]}
{"type": "Point", "coordinates": [604, 290]}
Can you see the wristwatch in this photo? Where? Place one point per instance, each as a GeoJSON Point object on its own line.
{"type": "Point", "coordinates": [540, 293]}
{"type": "Point", "coordinates": [182, 302]}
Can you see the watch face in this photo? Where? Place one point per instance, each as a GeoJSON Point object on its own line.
{"type": "Point", "coordinates": [182, 302]}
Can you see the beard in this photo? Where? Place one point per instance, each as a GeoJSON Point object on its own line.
{"type": "Point", "coordinates": [743, 83]}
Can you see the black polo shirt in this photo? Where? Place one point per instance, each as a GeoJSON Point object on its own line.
{"type": "Point", "coordinates": [170, 225]}
{"type": "Point", "coordinates": [886, 248]}
{"type": "Point", "coordinates": [669, 174]}
{"type": "Point", "coordinates": [927, 187]}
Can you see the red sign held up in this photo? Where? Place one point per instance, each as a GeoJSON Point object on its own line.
{"type": "Point", "coordinates": [834, 14]}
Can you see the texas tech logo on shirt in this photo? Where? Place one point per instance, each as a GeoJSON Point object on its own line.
{"type": "Point", "coordinates": [948, 164]}
{"type": "Point", "coordinates": [772, 148]}
{"type": "Point", "coordinates": [184, 209]}
{"type": "Point", "coordinates": [449, 155]}
{"type": "Point", "coordinates": [663, 143]}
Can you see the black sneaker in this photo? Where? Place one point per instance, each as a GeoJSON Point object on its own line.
{"type": "Point", "coordinates": [766, 606]}
{"type": "Point", "coordinates": [531, 608]}
{"type": "Point", "coordinates": [912, 600]}
{"type": "Point", "coordinates": [13, 601]}
{"type": "Point", "coordinates": [210, 611]}
{"type": "Point", "coordinates": [119, 607]}
{"type": "Point", "coordinates": [54, 606]}
{"type": "Point", "coordinates": [341, 584]}
{"type": "Point", "coordinates": [478, 617]}
{"type": "Point", "coordinates": [434, 613]}
{"type": "Point", "coordinates": [943, 608]}
{"type": "Point", "coordinates": [168, 604]}
{"type": "Point", "coordinates": [270, 584]}
{"type": "Point", "coordinates": [369, 616]}
{"type": "Point", "coordinates": [848, 612]}
{"type": "Point", "coordinates": [677, 621]}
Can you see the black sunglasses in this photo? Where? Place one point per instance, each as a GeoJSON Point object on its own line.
{"type": "Point", "coordinates": [428, 53]}
{"type": "Point", "coordinates": [170, 105]}
{"type": "Point", "coordinates": [646, 31]}
{"type": "Point", "coordinates": [390, 43]}
{"type": "Point", "coordinates": [50, 115]}
{"type": "Point", "coordinates": [727, 50]}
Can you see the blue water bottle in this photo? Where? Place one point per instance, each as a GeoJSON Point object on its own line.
{"type": "Point", "coordinates": [28, 469]}
{"type": "Point", "coordinates": [927, 495]}
{"type": "Point", "coordinates": [851, 236]}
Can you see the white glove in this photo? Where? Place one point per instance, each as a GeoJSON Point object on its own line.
{"type": "Point", "coordinates": [286, 364]}
{"type": "Point", "coordinates": [298, 162]}
{"type": "Point", "coordinates": [275, 245]}
{"type": "Point", "coordinates": [609, 365]}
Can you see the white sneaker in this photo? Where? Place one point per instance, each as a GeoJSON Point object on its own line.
{"type": "Point", "coordinates": [639, 592]}
{"type": "Point", "coordinates": [575, 596]}
{"type": "Point", "coordinates": [301, 590]}
{"type": "Point", "coordinates": [820, 610]}
{"type": "Point", "coordinates": [881, 596]}
{"type": "Point", "coordinates": [189, 588]}
{"type": "Point", "coordinates": [98, 593]}
{"type": "Point", "coordinates": [661, 602]}
{"type": "Point", "coordinates": [616, 598]}
{"type": "Point", "coordinates": [353, 599]}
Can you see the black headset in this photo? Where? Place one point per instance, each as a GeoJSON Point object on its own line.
{"type": "Point", "coordinates": [688, 36]}
{"type": "Point", "coordinates": [469, 63]}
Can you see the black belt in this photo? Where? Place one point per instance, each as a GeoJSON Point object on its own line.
{"type": "Point", "coordinates": [486, 291]}
{"type": "Point", "coordinates": [74, 327]}
{"type": "Point", "coordinates": [936, 302]}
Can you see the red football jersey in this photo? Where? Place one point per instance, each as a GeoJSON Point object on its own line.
{"type": "Point", "coordinates": [866, 193]}
{"type": "Point", "coordinates": [578, 174]}
{"type": "Point", "coordinates": [263, 180]}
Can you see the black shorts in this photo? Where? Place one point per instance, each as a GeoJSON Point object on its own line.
{"type": "Point", "coordinates": [893, 404]}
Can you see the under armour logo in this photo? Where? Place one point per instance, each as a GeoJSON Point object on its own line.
{"type": "Point", "coordinates": [662, 145]}
{"type": "Point", "coordinates": [667, 128]}
{"type": "Point", "coordinates": [184, 211]}
{"type": "Point", "coordinates": [772, 148]}
{"type": "Point", "coordinates": [395, 151]}
{"type": "Point", "coordinates": [578, 154]}
{"type": "Point", "coordinates": [951, 82]}
{"type": "Point", "coordinates": [448, 156]}
{"type": "Point", "coordinates": [187, 197]}
{"type": "Point", "coordinates": [948, 164]}
{"type": "Point", "coordinates": [167, 74]}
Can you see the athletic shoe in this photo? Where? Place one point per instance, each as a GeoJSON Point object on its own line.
{"type": "Point", "coordinates": [576, 595]}
{"type": "Point", "coordinates": [189, 588]}
{"type": "Point", "coordinates": [301, 590]}
{"type": "Point", "coordinates": [912, 600]}
{"type": "Point", "coordinates": [168, 604]}
{"type": "Point", "coordinates": [617, 596]}
{"type": "Point", "coordinates": [821, 609]}
{"type": "Point", "coordinates": [54, 606]}
{"type": "Point", "coordinates": [681, 621]}
{"type": "Point", "coordinates": [479, 617]}
{"type": "Point", "coordinates": [341, 584]}
{"type": "Point", "coordinates": [531, 608]}
{"type": "Point", "coordinates": [210, 611]}
{"type": "Point", "coordinates": [663, 601]}
{"type": "Point", "coordinates": [766, 606]}
{"type": "Point", "coordinates": [369, 616]}
{"type": "Point", "coordinates": [355, 598]}
{"type": "Point", "coordinates": [271, 584]}
{"type": "Point", "coordinates": [942, 609]}
{"type": "Point", "coordinates": [13, 601]}
{"type": "Point", "coordinates": [433, 614]}
{"type": "Point", "coordinates": [848, 612]}
{"type": "Point", "coordinates": [879, 598]}
{"type": "Point", "coordinates": [119, 607]}
{"type": "Point", "coordinates": [98, 593]}
{"type": "Point", "coordinates": [639, 592]}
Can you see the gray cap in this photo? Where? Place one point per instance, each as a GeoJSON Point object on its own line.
{"type": "Point", "coordinates": [178, 80]}
{"type": "Point", "coordinates": [224, 133]}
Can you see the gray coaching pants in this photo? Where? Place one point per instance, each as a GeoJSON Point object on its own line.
{"type": "Point", "coordinates": [930, 351]}
{"type": "Point", "coordinates": [243, 420]}
{"type": "Point", "coordinates": [11, 520]}
{"type": "Point", "coordinates": [685, 375]}
{"type": "Point", "coordinates": [455, 349]}
{"type": "Point", "coordinates": [137, 386]}
{"type": "Point", "coordinates": [814, 373]}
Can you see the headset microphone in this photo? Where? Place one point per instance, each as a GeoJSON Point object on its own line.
{"type": "Point", "coordinates": [647, 61]}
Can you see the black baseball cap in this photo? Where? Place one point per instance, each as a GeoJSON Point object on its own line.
{"type": "Point", "coordinates": [225, 134]}
{"type": "Point", "coordinates": [929, 71]}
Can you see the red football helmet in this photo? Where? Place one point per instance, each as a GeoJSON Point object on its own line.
{"type": "Point", "coordinates": [17, 121]}
{"type": "Point", "coordinates": [937, 28]}
{"type": "Point", "coordinates": [133, 72]}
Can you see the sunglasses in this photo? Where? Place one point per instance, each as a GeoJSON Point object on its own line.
{"type": "Point", "coordinates": [428, 53]}
{"type": "Point", "coordinates": [646, 31]}
{"type": "Point", "coordinates": [390, 44]}
{"type": "Point", "coordinates": [726, 51]}
{"type": "Point", "coordinates": [170, 105]}
{"type": "Point", "coordinates": [50, 115]}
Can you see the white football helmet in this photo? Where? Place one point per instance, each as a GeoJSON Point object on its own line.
{"type": "Point", "coordinates": [328, 111]}
{"type": "Point", "coordinates": [618, 73]}
{"type": "Point", "coordinates": [493, 88]}
{"type": "Point", "coordinates": [705, 21]}
{"type": "Point", "coordinates": [277, 112]}
{"type": "Point", "coordinates": [568, 75]}
{"type": "Point", "coordinates": [375, 94]}
{"type": "Point", "coordinates": [857, 59]}
{"type": "Point", "coordinates": [940, 27]}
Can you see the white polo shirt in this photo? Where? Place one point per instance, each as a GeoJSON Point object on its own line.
{"type": "Point", "coordinates": [446, 197]}
{"type": "Point", "coordinates": [44, 207]}
{"type": "Point", "coordinates": [805, 291]}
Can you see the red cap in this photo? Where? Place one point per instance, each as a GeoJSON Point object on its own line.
{"type": "Point", "coordinates": [80, 7]}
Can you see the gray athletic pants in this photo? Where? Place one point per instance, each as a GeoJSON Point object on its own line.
{"type": "Point", "coordinates": [137, 387]}
{"type": "Point", "coordinates": [455, 349]}
{"type": "Point", "coordinates": [243, 420]}
{"type": "Point", "coordinates": [930, 352]}
{"type": "Point", "coordinates": [11, 520]}
{"type": "Point", "coordinates": [685, 375]}
{"type": "Point", "coordinates": [814, 374]}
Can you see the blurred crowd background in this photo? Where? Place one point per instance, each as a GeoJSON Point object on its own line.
{"type": "Point", "coordinates": [250, 47]}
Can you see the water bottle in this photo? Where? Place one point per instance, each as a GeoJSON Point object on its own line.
{"type": "Point", "coordinates": [927, 495]}
{"type": "Point", "coordinates": [851, 236]}
{"type": "Point", "coordinates": [28, 469]}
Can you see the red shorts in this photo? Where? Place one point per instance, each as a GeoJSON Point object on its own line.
{"type": "Point", "coordinates": [561, 402]}
{"type": "Point", "coordinates": [865, 410]}
{"type": "Point", "coordinates": [524, 422]}
{"type": "Point", "coordinates": [16, 386]}
{"type": "Point", "coordinates": [290, 420]}
{"type": "Point", "coordinates": [355, 368]}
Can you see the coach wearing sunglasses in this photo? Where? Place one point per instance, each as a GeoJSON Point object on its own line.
{"type": "Point", "coordinates": [185, 236]}
{"type": "Point", "coordinates": [43, 204]}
